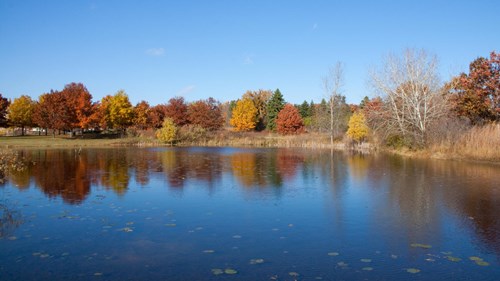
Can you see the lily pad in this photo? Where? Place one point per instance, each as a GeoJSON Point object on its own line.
{"type": "Point", "coordinates": [423, 246]}
{"type": "Point", "coordinates": [230, 271]}
{"type": "Point", "coordinates": [342, 264]}
{"type": "Point", "coordinates": [367, 268]}
{"type": "Point", "coordinates": [217, 271]}
{"type": "Point", "coordinates": [482, 263]}
{"type": "Point", "coordinates": [453, 259]}
{"type": "Point", "coordinates": [256, 261]}
{"type": "Point", "coordinates": [475, 258]}
{"type": "Point", "coordinates": [412, 270]}
{"type": "Point", "coordinates": [333, 254]}
{"type": "Point", "coordinates": [127, 229]}
{"type": "Point", "coordinates": [366, 260]}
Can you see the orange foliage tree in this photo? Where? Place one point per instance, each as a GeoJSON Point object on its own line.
{"type": "Point", "coordinates": [142, 119]}
{"type": "Point", "coordinates": [244, 115]}
{"type": "Point", "coordinates": [289, 121]}
{"type": "Point", "coordinates": [79, 106]}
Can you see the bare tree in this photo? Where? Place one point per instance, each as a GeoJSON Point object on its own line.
{"type": "Point", "coordinates": [332, 85]}
{"type": "Point", "coordinates": [412, 95]}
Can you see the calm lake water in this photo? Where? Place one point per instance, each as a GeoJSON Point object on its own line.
{"type": "Point", "coordinates": [247, 214]}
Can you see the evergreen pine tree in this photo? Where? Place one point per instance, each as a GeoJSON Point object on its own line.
{"type": "Point", "coordinates": [274, 106]}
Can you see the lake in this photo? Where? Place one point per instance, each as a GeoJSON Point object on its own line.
{"type": "Point", "coordinates": [247, 214]}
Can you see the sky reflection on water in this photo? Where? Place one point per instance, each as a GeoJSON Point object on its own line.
{"type": "Point", "coordinates": [180, 213]}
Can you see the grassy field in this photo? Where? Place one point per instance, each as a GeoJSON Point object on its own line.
{"type": "Point", "coordinates": [59, 141]}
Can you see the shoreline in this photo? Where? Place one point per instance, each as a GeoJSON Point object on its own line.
{"type": "Point", "coordinates": [223, 140]}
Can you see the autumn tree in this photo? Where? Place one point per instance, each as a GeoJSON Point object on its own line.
{"type": "Point", "coordinates": [358, 129]}
{"type": "Point", "coordinates": [289, 121]}
{"type": "Point", "coordinates": [206, 114]}
{"type": "Point", "coordinates": [50, 112]}
{"type": "Point", "coordinates": [412, 95]}
{"type": "Point", "coordinates": [79, 106]}
{"type": "Point", "coordinates": [4, 105]}
{"type": "Point", "coordinates": [177, 110]}
{"type": "Point", "coordinates": [260, 99]}
{"type": "Point", "coordinates": [117, 111]}
{"type": "Point", "coordinates": [142, 116]}
{"type": "Point", "coordinates": [476, 96]}
{"type": "Point", "coordinates": [274, 106]}
{"type": "Point", "coordinates": [244, 115]}
{"type": "Point", "coordinates": [157, 115]}
{"type": "Point", "coordinates": [168, 132]}
{"type": "Point", "coordinates": [20, 112]}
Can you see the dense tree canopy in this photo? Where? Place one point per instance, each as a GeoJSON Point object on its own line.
{"type": "Point", "coordinates": [206, 114]}
{"type": "Point", "coordinates": [20, 112]}
{"type": "Point", "coordinates": [177, 110]}
{"type": "Point", "coordinates": [244, 115]}
{"type": "Point", "coordinates": [4, 104]}
{"type": "Point", "coordinates": [260, 99]}
{"type": "Point", "coordinates": [289, 121]}
{"type": "Point", "coordinates": [274, 106]}
{"type": "Point", "coordinates": [476, 95]}
{"type": "Point", "coordinates": [358, 129]}
{"type": "Point", "coordinates": [79, 106]}
{"type": "Point", "coordinates": [50, 111]}
{"type": "Point", "coordinates": [157, 115]}
{"type": "Point", "coordinates": [167, 132]}
{"type": "Point", "coordinates": [117, 111]}
{"type": "Point", "coordinates": [142, 115]}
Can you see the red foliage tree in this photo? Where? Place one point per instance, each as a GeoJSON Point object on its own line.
{"type": "Point", "coordinates": [289, 121]}
{"type": "Point", "coordinates": [206, 113]}
{"type": "Point", "coordinates": [177, 110]}
{"type": "Point", "coordinates": [51, 112]}
{"type": "Point", "coordinates": [476, 95]}
{"type": "Point", "coordinates": [157, 115]}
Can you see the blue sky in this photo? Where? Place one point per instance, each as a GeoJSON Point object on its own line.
{"type": "Point", "coordinates": [155, 50]}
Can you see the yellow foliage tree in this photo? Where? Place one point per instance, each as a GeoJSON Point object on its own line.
{"type": "Point", "coordinates": [244, 115]}
{"type": "Point", "coordinates": [358, 130]}
{"type": "Point", "coordinates": [168, 131]}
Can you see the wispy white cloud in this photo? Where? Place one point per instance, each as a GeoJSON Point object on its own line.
{"type": "Point", "coordinates": [186, 90]}
{"type": "Point", "coordinates": [156, 52]}
{"type": "Point", "coordinates": [315, 26]}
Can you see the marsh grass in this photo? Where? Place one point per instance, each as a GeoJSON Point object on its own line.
{"type": "Point", "coordinates": [475, 143]}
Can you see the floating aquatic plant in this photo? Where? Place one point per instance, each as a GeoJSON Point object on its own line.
{"type": "Point", "coordinates": [208, 251]}
{"type": "Point", "coordinates": [475, 258]}
{"type": "Point", "coordinates": [482, 263]}
{"type": "Point", "coordinates": [230, 271]}
{"type": "Point", "coordinates": [453, 259]}
{"type": "Point", "coordinates": [256, 261]}
{"type": "Point", "coordinates": [217, 271]}
{"type": "Point", "coordinates": [293, 274]}
{"type": "Point", "coordinates": [423, 246]}
{"type": "Point", "coordinates": [413, 270]}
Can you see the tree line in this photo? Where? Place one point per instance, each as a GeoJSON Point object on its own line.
{"type": "Point", "coordinates": [411, 107]}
